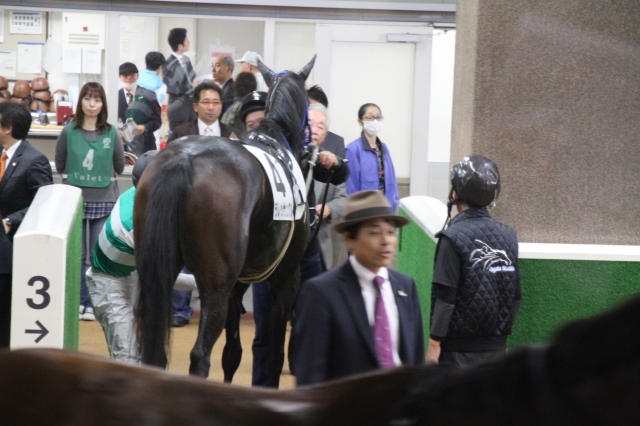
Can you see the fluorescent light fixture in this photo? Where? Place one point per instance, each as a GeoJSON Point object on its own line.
{"type": "Point", "coordinates": [444, 25]}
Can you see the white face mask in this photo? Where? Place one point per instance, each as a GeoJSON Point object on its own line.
{"type": "Point", "coordinates": [373, 127]}
{"type": "Point", "coordinates": [129, 87]}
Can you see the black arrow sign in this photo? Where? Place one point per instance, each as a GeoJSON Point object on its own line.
{"type": "Point", "coordinates": [42, 332]}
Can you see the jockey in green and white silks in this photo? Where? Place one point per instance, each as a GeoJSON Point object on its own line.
{"type": "Point", "coordinates": [89, 164]}
{"type": "Point", "coordinates": [114, 254]}
{"type": "Point", "coordinates": [112, 281]}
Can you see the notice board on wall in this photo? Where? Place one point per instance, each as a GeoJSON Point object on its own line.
{"type": "Point", "coordinates": [21, 43]}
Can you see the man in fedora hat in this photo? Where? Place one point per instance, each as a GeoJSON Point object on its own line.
{"type": "Point", "coordinates": [360, 316]}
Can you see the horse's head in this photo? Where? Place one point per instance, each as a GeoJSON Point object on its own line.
{"type": "Point", "coordinates": [286, 109]}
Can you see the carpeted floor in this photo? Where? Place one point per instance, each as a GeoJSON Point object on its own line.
{"type": "Point", "coordinates": [182, 340]}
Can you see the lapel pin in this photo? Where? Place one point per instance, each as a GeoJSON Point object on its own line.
{"type": "Point", "coordinates": [401, 293]}
{"type": "Point", "coordinates": [14, 164]}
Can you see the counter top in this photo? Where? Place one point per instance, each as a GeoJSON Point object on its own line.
{"type": "Point", "coordinates": [39, 130]}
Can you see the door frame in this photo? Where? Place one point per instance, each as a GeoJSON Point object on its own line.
{"type": "Point", "coordinates": [328, 33]}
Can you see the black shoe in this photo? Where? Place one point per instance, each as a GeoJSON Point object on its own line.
{"type": "Point", "coordinates": [178, 321]}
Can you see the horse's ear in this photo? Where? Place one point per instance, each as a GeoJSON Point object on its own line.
{"type": "Point", "coordinates": [306, 70]}
{"type": "Point", "coordinates": [266, 73]}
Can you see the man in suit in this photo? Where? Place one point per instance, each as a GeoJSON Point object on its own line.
{"type": "Point", "coordinates": [332, 143]}
{"type": "Point", "coordinates": [332, 249]}
{"type": "Point", "coordinates": [208, 106]}
{"type": "Point", "coordinates": [222, 69]}
{"type": "Point", "coordinates": [179, 76]}
{"type": "Point", "coordinates": [23, 170]}
{"type": "Point", "coordinates": [142, 106]}
{"type": "Point", "coordinates": [361, 316]}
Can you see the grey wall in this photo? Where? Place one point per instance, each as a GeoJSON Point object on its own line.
{"type": "Point", "coordinates": [243, 35]}
{"type": "Point", "coordinates": [550, 91]}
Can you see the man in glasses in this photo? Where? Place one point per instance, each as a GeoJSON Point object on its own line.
{"type": "Point", "coordinates": [207, 103]}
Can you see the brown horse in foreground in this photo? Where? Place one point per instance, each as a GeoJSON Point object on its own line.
{"type": "Point", "coordinates": [589, 376]}
{"type": "Point", "coordinates": [206, 203]}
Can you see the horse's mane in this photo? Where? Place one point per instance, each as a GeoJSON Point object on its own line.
{"type": "Point", "coordinates": [286, 111]}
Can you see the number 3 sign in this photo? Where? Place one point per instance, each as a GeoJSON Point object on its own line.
{"type": "Point", "coordinates": [44, 301]}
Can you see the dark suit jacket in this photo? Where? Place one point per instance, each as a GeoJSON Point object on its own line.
{"type": "Point", "coordinates": [27, 171]}
{"type": "Point", "coordinates": [180, 105]}
{"type": "Point", "coordinates": [334, 143]}
{"type": "Point", "coordinates": [148, 113]}
{"type": "Point", "coordinates": [6, 254]}
{"type": "Point", "coordinates": [332, 337]}
{"type": "Point", "coordinates": [191, 128]}
{"type": "Point", "coordinates": [227, 95]}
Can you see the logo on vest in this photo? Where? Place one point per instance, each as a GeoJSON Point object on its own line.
{"type": "Point", "coordinates": [106, 143]}
{"type": "Point", "coordinates": [490, 259]}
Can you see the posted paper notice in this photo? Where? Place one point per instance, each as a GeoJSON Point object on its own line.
{"type": "Point", "coordinates": [8, 64]}
{"type": "Point", "coordinates": [91, 60]}
{"type": "Point", "coordinates": [72, 60]}
{"type": "Point", "coordinates": [30, 58]}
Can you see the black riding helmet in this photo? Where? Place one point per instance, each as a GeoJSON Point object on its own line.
{"type": "Point", "coordinates": [254, 101]}
{"type": "Point", "coordinates": [476, 180]}
{"type": "Point", "coordinates": [141, 164]}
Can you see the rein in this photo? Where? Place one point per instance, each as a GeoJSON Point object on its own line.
{"type": "Point", "coordinates": [267, 273]}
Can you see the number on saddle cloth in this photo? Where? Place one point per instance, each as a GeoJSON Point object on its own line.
{"type": "Point", "coordinates": [276, 162]}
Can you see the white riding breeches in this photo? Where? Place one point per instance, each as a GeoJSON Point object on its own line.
{"type": "Point", "coordinates": [113, 302]}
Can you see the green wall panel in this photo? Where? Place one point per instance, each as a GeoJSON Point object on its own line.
{"type": "Point", "coordinates": [72, 291]}
{"type": "Point", "coordinates": [416, 251]}
{"type": "Point", "coordinates": [557, 291]}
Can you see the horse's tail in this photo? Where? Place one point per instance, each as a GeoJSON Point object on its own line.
{"type": "Point", "coordinates": [159, 257]}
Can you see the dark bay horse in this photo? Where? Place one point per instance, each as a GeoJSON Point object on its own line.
{"type": "Point", "coordinates": [590, 375]}
{"type": "Point", "coordinates": [206, 203]}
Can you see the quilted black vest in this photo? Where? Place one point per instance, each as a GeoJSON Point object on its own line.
{"type": "Point", "coordinates": [489, 255]}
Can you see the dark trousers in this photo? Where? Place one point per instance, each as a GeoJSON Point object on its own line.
{"type": "Point", "coordinates": [182, 304]}
{"type": "Point", "coordinates": [468, 359]}
{"type": "Point", "coordinates": [309, 268]}
{"type": "Point", "coordinates": [5, 310]}
{"type": "Point", "coordinates": [93, 228]}
{"type": "Point", "coordinates": [260, 346]}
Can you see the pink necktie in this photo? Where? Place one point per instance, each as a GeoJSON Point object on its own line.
{"type": "Point", "coordinates": [208, 131]}
{"type": "Point", "coordinates": [381, 330]}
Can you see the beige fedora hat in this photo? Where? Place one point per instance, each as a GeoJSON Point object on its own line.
{"type": "Point", "coordinates": [366, 205]}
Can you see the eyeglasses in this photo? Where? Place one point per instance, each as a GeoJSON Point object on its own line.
{"type": "Point", "coordinates": [207, 103]}
{"type": "Point", "coordinates": [371, 117]}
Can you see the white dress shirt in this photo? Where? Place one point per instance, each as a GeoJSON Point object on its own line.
{"type": "Point", "coordinates": [132, 91]}
{"type": "Point", "coordinates": [365, 278]}
{"type": "Point", "coordinates": [215, 127]}
{"type": "Point", "coordinates": [11, 151]}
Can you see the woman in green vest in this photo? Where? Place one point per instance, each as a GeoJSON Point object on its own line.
{"type": "Point", "coordinates": [89, 155]}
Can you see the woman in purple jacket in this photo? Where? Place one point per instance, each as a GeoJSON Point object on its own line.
{"type": "Point", "coordinates": [369, 159]}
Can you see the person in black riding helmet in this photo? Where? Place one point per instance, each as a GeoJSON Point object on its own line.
{"type": "Point", "coordinates": [252, 110]}
{"type": "Point", "coordinates": [476, 281]}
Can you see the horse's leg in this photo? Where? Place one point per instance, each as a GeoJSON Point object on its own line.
{"type": "Point", "coordinates": [213, 311]}
{"type": "Point", "coordinates": [232, 353]}
{"type": "Point", "coordinates": [215, 254]}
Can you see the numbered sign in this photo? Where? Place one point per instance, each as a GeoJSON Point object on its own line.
{"type": "Point", "coordinates": [288, 201]}
{"type": "Point", "coordinates": [40, 308]}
